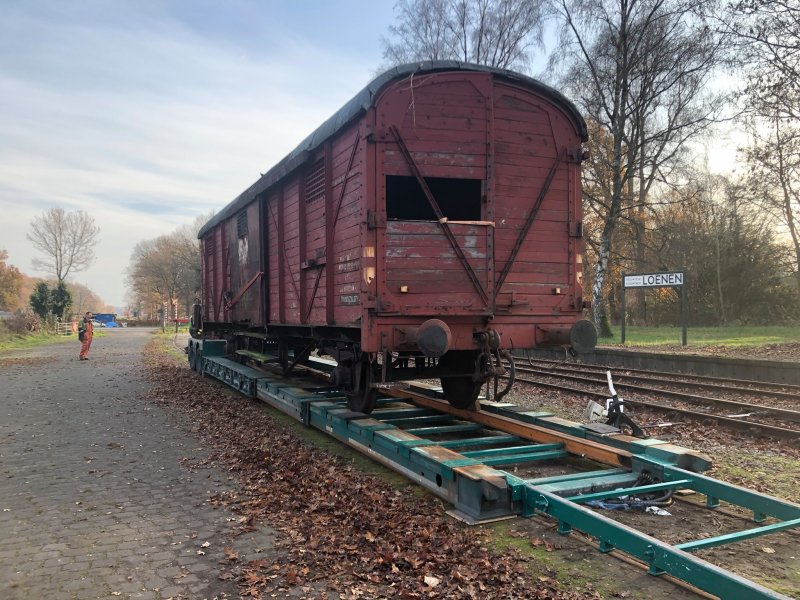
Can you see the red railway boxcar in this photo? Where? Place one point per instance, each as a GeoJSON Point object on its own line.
{"type": "Point", "coordinates": [427, 228]}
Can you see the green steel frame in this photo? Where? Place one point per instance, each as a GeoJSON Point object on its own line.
{"type": "Point", "coordinates": [400, 436]}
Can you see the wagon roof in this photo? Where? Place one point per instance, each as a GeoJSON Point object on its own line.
{"type": "Point", "coordinates": [362, 102]}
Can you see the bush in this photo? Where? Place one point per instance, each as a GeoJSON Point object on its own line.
{"type": "Point", "coordinates": [23, 322]}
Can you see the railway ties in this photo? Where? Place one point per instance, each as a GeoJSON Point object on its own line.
{"type": "Point", "coordinates": [744, 386]}
{"type": "Point", "coordinates": [738, 420]}
{"type": "Point", "coordinates": [505, 461]}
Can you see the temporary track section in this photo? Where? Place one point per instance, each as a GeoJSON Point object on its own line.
{"type": "Point", "coordinates": [460, 455]}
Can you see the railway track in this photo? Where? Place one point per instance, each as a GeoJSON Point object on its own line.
{"type": "Point", "coordinates": [774, 390]}
{"type": "Point", "coordinates": [741, 415]}
{"type": "Point", "coordinates": [505, 460]}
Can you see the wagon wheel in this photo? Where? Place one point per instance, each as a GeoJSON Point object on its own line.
{"type": "Point", "coordinates": [191, 355]}
{"type": "Point", "coordinates": [362, 397]}
{"type": "Point", "coordinates": [460, 391]}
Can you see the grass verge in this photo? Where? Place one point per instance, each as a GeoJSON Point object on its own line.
{"type": "Point", "coordinates": [13, 341]}
{"type": "Point", "coordinates": [733, 337]}
{"type": "Point", "coordinates": [773, 474]}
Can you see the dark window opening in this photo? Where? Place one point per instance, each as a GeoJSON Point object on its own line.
{"type": "Point", "coordinates": [209, 246]}
{"type": "Point", "coordinates": [241, 224]}
{"type": "Point", "coordinates": [458, 199]}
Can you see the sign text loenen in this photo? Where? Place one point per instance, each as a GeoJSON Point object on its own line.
{"type": "Point", "coordinates": [653, 280]}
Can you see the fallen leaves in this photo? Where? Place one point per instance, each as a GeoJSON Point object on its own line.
{"type": "Point", "coordinates": [344, 529]}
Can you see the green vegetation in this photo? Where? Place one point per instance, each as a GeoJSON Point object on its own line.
{"type": "Point", "coordinates": [169, 330]}
{"type": "Point", "coordinates": [51, 302]}
{"type": "Point", "coordinates": [563, 561]}
{"type": "Point", "coordinates": [734, 337]}
{"type": "Point", "coordinates": [772, 473]}
{"type": "Point", "coordinates": [16, 341]}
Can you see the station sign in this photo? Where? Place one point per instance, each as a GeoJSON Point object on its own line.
{"type": "Point", "coordinates": [653, 280]}
{"type": "Point", "coordinates": [673, 279]}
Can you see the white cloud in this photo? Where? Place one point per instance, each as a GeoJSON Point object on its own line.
{"type": "Point", "coordinates": [148, 114]}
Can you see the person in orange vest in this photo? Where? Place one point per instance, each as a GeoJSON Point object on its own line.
{"type": "Point", "coordinates": [85, 330]}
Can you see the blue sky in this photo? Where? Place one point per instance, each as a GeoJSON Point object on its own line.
{"type": "Point", "coordinates": [147, 114]}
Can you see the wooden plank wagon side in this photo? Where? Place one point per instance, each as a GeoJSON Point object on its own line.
{"type": "Point", "coordinates": [429, 226]}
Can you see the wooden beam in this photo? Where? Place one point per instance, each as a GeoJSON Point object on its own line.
{"type": "Point", "coordinates": [574, 445]}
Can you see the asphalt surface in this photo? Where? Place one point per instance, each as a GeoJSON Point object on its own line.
{"type": "Point", "coordinates": [95, 501]}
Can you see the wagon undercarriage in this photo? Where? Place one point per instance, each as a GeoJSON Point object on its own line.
{"type": "Point", "coordinates": [361, 374]}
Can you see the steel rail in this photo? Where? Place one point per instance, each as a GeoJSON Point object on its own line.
{"type": "Point", "coordinates": [560, 364]}
{"type": "Point", "coordinates": [738, 424]}
{"type": "Point", "coordinates": [783, 413]}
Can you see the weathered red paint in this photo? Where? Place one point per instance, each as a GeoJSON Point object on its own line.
{"type": "Point", "coordinates": [337, 260]}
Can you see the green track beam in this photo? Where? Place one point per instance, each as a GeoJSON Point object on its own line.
{"type": "Point", "coordinates": [480, 492]}
{"type": "Point", "coordinates": [524, 458]}
{"type": "Point", "coordinates": [489, 440]}
{"type": "Point", "coordinates": [738, 536]}
{"type": "Point", "coordinates": [400, 413]}
{"type": "Point", "coordinates": [509, 450]}
{"type": "Point", "coordinates": [631, 491]}
{"type": "Point", "coordinates": [421, 420]}
{"type": "Point", "coordinates": [420, 431]}
{"type": "Point", "coordinates": [588, 475]}
{"type": "Point", "coordinates": [661, 556]}
{"type": "Point", "coordinates": [720, 490]}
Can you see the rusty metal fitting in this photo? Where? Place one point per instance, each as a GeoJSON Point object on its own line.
{"type": "Point", "coordinates": [434, 338]}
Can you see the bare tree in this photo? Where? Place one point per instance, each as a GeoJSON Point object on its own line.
{"type": "Point", "coordinates": [84, 299]}
{"type": "Point", "coordinates": [167, 267]}
{"type": "Point", "coordinates": [767, 38]}
{"type": "Point", "coordinates": [774, 178]}
{"type": "Point", "coordinates": [738, 267]}
{"type": "Point", "coordinates": [639, 70]}
{"type": "Point", "coordinates": [156, 269]}
{"type": "Point", "coordinates": [498, 33]}
{"type": "Point", "coordinates": [66, 239]}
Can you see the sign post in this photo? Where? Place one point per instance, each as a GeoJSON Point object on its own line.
{"type": "Point", "coordinates": [656, 280]}
{"type": "Point", "coordinates": [624, 312]}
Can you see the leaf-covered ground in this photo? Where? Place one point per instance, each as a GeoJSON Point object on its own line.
{"type": "Point", "coordinates": [345, 533]}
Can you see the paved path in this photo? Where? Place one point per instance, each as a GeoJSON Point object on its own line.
{"type": "Point", "coordinates": [94, 501]}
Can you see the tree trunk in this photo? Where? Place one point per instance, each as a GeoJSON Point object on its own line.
{"type": "Point", "coordinates": [788, 209]}
{"type": "Point", "coordinates": [723, 320]}
{"type": "Point", "coordinates": [599, 309]}
{"type": "Point", "coordinates": [639, 294]}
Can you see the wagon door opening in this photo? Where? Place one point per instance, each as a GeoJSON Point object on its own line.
{"type": "Point", "coordinates": [459, 199]}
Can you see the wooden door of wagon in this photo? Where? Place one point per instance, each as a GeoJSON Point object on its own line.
{"type": "Point", "coordinates": [435, 253]}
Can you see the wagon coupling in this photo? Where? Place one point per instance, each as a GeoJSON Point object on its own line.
{"type": "Point", "coordinates": [581, 336]}
{"type": "Point", "coordinates": [433, 337]}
